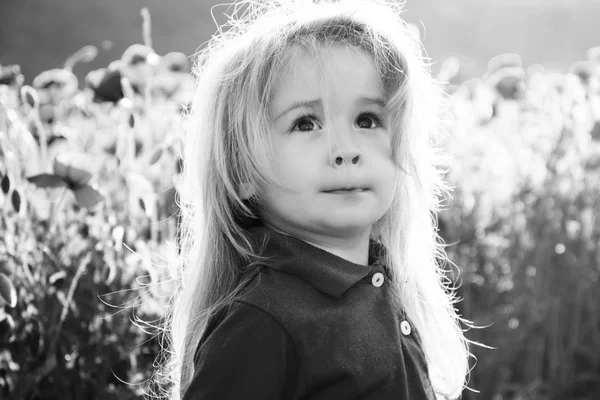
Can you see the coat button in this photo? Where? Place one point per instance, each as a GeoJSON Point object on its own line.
{"type": "Point", "coordinates": [405, 328]}
{"type": "Point", "coordinates": [377, 279]}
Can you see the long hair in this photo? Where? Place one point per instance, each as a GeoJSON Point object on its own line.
{"type": "Point", "coordinates": [227, 146]}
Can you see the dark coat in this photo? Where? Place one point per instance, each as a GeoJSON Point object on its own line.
{"type": "Point", "coordinates": [311, 325]}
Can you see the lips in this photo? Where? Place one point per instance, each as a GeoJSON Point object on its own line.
{"type": "Point", "coordinates": [346, 190]}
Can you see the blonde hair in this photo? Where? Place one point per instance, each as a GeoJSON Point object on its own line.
{"type": "Point", "coordinates": [227, 146]}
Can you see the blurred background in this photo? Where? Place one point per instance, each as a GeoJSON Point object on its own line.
{"type": "Point", "coordinates": [40, 35]}
{"type": "Point", "coordinates": [91, 95]}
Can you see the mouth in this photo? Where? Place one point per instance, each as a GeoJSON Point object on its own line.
{"type": "Point", "coordinates": [346, 191]}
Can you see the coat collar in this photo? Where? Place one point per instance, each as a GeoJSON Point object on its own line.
{"type": "Point", "coordinates": [325, 271]}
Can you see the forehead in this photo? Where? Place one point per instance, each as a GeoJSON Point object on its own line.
{"type": "Point", "coordinates": [334, 71]}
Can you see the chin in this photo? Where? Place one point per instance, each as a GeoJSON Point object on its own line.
{"type": "Point", "coordinates": [348, 225]}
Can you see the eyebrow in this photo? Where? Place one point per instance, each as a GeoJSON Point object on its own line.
{"type": "Point", "coordinates": [317, 102]}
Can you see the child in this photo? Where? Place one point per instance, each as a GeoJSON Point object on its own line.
{"type": "Point", "coordinates": [309, 199]}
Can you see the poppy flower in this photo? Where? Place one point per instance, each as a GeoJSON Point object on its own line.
{"type": "Point", "coordinates": [173, 79]}
{"type": "Point", "coordinates": [175, 61]}
{"type": "Point", "coordinates": [138, 63]}
{"type": "Point", "coordinates": [585, 70]}
{"type": "Point", "coordinates": [105, 84]}
{"type": "Point", "coordinates": [137, 54]}
{"type": "Point", "coordinates": [508, 82]}
{"type": "Point", "coordinates": [55, 84]}
{"type": "Point", "coordinates": [504, 60]}
{"type": "Point", "coordinates": [70, 171]}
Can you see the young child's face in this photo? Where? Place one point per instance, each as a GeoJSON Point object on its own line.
{"type": "Point", "coordinates": [320, 115]}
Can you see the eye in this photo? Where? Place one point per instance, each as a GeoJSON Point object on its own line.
{"type": "Point", "coordinates": [306, 123]}
{"type": "Point", "coordinates": [368, 121]}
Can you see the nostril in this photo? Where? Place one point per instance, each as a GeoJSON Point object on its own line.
{"type": "Point", "coordinates": [339, 160]}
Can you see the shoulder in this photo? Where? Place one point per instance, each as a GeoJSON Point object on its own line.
{"type": "Point", "coordinates": [243, 344]}
{"type": "Point", "coordinates": [256, 314]}
{"type": "Point", "coordinates": [239, 323]}
{"type": "Point", "coordinates": [272, 290]}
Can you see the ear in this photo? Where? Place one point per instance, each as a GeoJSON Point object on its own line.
{"type": "Point", "coordinates": [246, 191]}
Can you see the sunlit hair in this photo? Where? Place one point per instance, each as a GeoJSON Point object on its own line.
{"type": "Point", "coordinates": [227, 148]}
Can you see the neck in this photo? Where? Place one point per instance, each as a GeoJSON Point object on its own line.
{"type": "Point", "coordinates": [354, 248]}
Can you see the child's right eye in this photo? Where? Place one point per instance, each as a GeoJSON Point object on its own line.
{"type": "Point", "coordinates": [305, 124]}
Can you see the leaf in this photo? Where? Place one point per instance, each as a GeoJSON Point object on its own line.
{"type": "Point", "coordinates": [87, 196]}
{"type": "Point", "coordinates": [5, 184]}
{"type": "Point", "coordinates": [8, 294]}
{"type": "Point", "coordinates": [47, 181]}
{"type": "Point", "coordinates": [16, 200]}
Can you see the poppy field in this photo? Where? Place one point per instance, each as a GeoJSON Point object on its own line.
{"type": "Point", "coordinates": [89, 176]}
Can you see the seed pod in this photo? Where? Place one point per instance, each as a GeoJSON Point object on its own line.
{"type": "Point", "coordinates": [156, 156]}
{"type": "Point", "coordinates": [142, 204]}
{"type": "Point", "coordinates": [5, 184]}
{"type": "Point", "coordinates": [8, 294]}
{"type": "Point", "coordinates": [16, 201]}
{"type": "Point", "coordinates": [30, 96]}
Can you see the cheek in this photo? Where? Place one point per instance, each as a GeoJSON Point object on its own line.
{"type": "Point", "coordinates": [380, 149]}
{"type": "Point", "coordinates": [385, 171]}
{"type": "Point", "coordinates": [392, 184]}
{"type": "Point", "coordinates": [296, 167]}
{"type": "Point", "coordinates": [376, 144]}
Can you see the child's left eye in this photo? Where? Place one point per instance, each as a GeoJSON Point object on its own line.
{"type": "Point", "coordinates": [368, 121]}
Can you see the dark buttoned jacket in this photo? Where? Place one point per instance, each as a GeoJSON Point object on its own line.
{"type": "Point", "coordinates": [311, 325]}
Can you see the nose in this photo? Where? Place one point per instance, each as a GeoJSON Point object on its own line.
{"type": "Point", "coordinates": [345, 151]}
